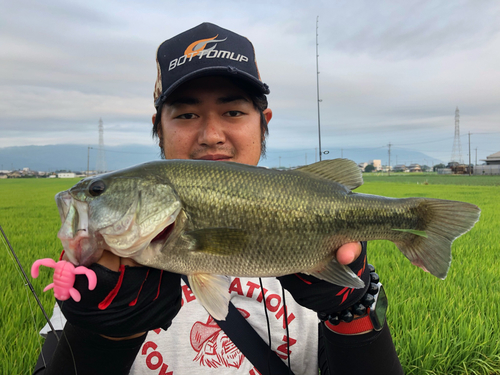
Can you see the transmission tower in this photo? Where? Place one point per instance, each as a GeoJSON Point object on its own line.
{"type": "Point", "coordinates": [101, 156]}
{"type": "Point", "coordinates": [456, 153]}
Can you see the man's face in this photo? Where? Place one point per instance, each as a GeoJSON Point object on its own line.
{"type": "Point", "coordinates": [211, 119]}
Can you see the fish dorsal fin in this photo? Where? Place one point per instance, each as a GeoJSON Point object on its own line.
{"type": "Point", "coordinates": [343, 171]}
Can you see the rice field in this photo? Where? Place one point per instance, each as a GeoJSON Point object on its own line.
{"type": "Point", "coordinates": [439, 327]}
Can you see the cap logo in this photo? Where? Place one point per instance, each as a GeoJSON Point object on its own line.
{"type": "Point", "coordinates": [199, 48]}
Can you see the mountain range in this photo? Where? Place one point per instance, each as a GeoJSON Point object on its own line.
{"type": "Point", "coordinates": [73, 157]}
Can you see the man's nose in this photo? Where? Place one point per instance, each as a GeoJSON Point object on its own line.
{"type": "Point", "coordinates": [211, 132]}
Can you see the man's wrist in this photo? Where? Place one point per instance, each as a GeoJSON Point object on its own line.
{"type": "Point", "coordinates": [365, 315]}
{"type": "Point", "coordinates": [358, 326]}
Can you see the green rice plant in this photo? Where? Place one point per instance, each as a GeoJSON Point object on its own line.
{"type": "Point", "coordinates": [433, 179]}
{"type": "Point", "coordinates": [450, 326]}
{"type": "Point", "coordinates": [29, 217]}
{"type": "Point", "coordinates": [439, 326]}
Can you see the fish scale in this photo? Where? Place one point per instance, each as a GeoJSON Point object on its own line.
{"type": "Point", "coordinates": [239, 220]}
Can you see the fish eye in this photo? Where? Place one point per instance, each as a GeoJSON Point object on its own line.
{"type": "Point", "coordinates": [97, 187]}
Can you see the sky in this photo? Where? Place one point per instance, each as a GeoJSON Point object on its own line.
{"type": "Point", "coordinates": [390, 71]}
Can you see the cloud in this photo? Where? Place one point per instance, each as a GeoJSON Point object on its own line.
{"type": "Point", "coordinates": [390, 71]}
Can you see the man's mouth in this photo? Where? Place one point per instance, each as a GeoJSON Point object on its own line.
{"type": "Point", "coordinates": [218, 157]}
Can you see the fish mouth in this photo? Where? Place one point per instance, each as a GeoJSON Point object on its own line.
{"type": "Point", "coordinates": [80, 246]}
{"type": "Point", "coordinates": [162, 237]}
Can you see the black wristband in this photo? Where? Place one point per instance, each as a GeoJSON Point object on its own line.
{"type": "Point", "coordinates": [359, 307]}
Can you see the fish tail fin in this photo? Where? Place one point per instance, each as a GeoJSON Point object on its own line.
{"type": "Point", "coordinates": [445, 221]}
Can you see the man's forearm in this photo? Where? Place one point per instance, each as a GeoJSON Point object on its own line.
{"type": "Point", "coordinates": [82, 352]}
{"type": "Point", "coordinates": [370, 353]}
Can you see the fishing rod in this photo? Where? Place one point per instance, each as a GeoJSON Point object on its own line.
{"type": "Point", "coordinates": [29, 283]}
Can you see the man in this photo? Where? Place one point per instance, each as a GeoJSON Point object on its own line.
{"type": "Point", "coordinates": [211, 105]}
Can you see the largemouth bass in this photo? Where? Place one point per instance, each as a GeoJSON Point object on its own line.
{"type": "Point", "coordinates": [210, 219]}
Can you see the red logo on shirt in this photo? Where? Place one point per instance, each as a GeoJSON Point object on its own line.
{"type": "Point", "coordinates": [214, 349]}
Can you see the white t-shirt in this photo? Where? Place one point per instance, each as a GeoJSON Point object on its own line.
{"type": "Point", "coordinates": [195, 344]}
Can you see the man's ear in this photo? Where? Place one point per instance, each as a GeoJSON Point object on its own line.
{"type": "Point", "coordinates": [268, 114]}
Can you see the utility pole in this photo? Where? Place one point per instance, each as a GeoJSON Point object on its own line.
{"type": "Point", "coordinates": [342, 153]}
{"type": "Point", "coordinates": [88, 158]}
{"type": "Point", "coordinates": [317, 87]}
{"type": "Point", "coordinates": [101, 156]}
{"type": "Point", "coordinates": [475, 164]}
{"type": "Point", "coordinates": [469, 156]}
{"type": "Point", "coordinates": [389, 166]}
{"type": "Point", "coordinates": [306, 158]}
{"type": "Point", "coordinates": [456, 153]}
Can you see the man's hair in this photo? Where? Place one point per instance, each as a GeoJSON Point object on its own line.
{"type": "Point", "coordinates": [258, 99]}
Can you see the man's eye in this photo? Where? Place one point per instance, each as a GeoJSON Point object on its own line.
{"type": "Point", "coordinates": [187, 116]}
{"type": "Point", "coordinates": [234, 113]}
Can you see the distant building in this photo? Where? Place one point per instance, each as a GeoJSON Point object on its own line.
{"type": "Point", "coordinates": [377, 164]}
{"type": "Point", "coordinates": [415, 168]}
{"type": "Point", "coordinates": [400, 168]}
{"type": "Point", "coordinates": [492, 159]}
{"type": "Point", "coordinates": [362, 166]}
{"type": "Point", "coordinates": [66, 175]}
{"type": "Point", "coordinates": [492, 169]}
{"type": "Point", "coordinates": [14, 174]}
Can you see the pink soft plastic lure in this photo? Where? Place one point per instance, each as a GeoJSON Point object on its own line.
{"type": "Point", "coordinates": [64, 277]}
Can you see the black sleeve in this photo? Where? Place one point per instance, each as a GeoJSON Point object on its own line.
{"type": "Point", "coordinates": [85, 353]}
{"type": "Point", "coordinates": [371, 353]}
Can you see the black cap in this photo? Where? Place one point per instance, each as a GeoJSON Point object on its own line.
{"type": "Point", "coordinates": [204, 50]}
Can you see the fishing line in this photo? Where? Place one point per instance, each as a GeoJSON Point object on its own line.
{"type": "Point", "coordinates": [268, 325]}
{"type": "Point", "coordinates": [28, 282]}
{"type": "Point", "coordinates": [28, 299]}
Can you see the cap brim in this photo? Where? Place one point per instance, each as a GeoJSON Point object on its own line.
{"type": "Point", "coordinates": [226, 71]}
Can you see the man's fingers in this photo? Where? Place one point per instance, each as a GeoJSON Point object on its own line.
{"type": "Point", "coordinates": [348, 253]}
{"type": "Point", "coordinates": [110, 261]}
{"type": "Point", "coordinates": [113, 262]}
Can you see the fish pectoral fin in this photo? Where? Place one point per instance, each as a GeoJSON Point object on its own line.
{"type": "Point", "coordinates": [212, 291]}
{"type": "Point", "coordinates": [421, 233]}
{"type": "Point", "coordinates": [342, 171]}
{"type": "Point", "coordinates": [338, 274]}
{"type": "Point", "coordinates": [219, 241]}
